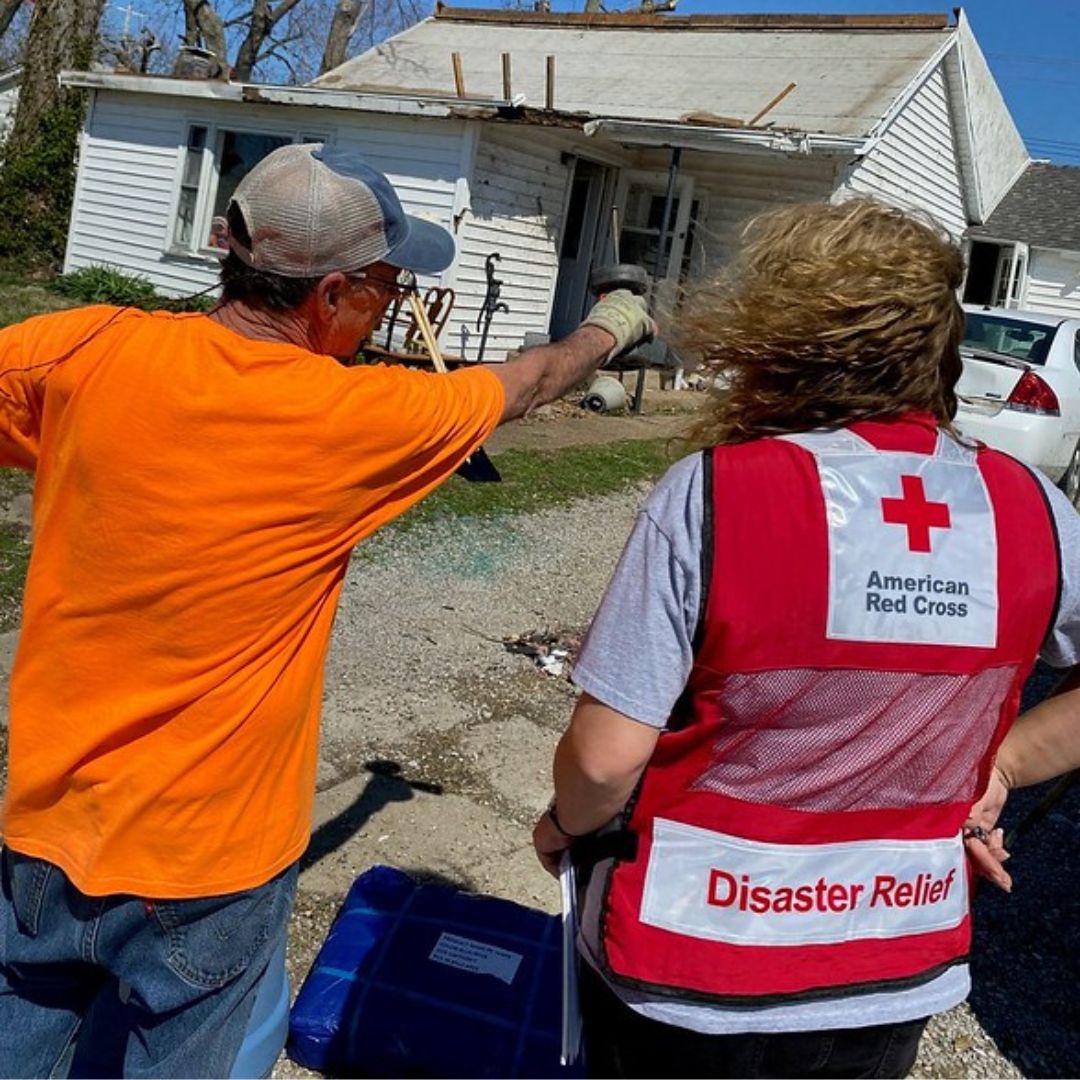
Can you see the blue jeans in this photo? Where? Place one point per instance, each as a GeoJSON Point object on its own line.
{"type": "Point", "coordinates": [127, 986]}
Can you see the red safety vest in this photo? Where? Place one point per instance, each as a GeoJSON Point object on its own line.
{"type": "Point", "coordinates": [876, 597]}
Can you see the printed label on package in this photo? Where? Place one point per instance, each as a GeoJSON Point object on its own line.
{"type": "Point", "coordinates": [476, 956]}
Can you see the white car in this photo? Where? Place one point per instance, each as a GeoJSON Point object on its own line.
{"type": "Point", "coordinates": [1020, 388]}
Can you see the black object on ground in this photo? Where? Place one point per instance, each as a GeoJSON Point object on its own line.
{"type": "Point", "coordinates": [478, 468]}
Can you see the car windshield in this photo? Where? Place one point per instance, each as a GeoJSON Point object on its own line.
{"type": "Point", "coordinates": [1005, 336]}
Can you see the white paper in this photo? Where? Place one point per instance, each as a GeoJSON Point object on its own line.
{"type": "Point", "coordinates": [571, 1009]}
{"type": "Point", "coordinates": [476, 956]}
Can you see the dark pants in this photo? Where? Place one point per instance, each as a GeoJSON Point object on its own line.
{"type": "Point", "coordinates": [620, 1042]}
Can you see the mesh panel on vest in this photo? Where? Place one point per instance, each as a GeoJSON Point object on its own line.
{"type": "Point", "coordinates": [828, 740]}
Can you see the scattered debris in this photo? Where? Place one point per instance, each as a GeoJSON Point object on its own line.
{"type": "Point", "coordinates": [701, 381]}
{"type": "Point", "coordinates": [553, 650]}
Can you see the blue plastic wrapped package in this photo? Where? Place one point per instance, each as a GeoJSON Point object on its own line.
{"type": "Point", "coordinates": [426, 980]}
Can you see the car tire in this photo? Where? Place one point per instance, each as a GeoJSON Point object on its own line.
{"type": "Point", "coordinates": [1070, 480]}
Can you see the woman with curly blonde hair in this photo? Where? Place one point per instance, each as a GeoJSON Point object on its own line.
{"type": "Point", "coordinates": [831, 314]}
{"type": "Point", "coordinates": [814, 640]}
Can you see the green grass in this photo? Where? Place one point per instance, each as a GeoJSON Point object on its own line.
{"type": "Point", "coordinates": [537, 480]}
{"type": "Point", "coordinates": [24, 294]}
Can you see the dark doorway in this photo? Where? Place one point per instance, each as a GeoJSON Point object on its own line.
{"type": "Point", "coordinates": [982, 273]}
{"type": "Point", "coordinates": [589, 188]}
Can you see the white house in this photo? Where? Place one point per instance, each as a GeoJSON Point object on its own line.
{"type": "Point", "coordinates": [1027, 252]}
{"type": "Point", "coordinates": [9, 99]}
{"type": "Point", "coordinates": [547, 137]}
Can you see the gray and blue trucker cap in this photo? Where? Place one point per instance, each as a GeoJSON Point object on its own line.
{"type": "Point", "coordinates": [311, 209]}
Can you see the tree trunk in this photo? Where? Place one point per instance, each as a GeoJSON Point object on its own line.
{"type": "Point", "coordinates": [62, 35]}
{"type": "Point", "coordinates": [342, 27]}
{"type": "Point", "coordinates": [203, 28]}
{"type": "Point", "coordinates": [38, 175]}
{"type": "Point", "coordinates": [261, 25]}
{"type": "Point", "coordinates": [8, 10]}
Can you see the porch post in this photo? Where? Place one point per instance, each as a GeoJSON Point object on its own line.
{"type": "Point", "coordinates": [669, 200]}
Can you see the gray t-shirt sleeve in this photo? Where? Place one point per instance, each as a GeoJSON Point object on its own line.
{"type": "Point", "coordinates": [637, 654]}
{"type": "Point", "coordinates": [1062, 646]}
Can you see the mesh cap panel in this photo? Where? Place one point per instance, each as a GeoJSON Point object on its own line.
{"type": "Point", "coordinates": [311, 210]}
{"type": "Point", "coordinates": [828, 740]}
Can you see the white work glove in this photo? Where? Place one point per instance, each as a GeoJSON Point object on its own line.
{"type": "Point", "coordinates": [625, 316]}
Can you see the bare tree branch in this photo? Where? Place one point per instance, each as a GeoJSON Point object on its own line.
{"type": "Point", "coordinates": [8, 10]}
{"type": "Point", "coordinates": [130, 53]}
{"type": "Point", "coordinates": [62, 35]}
{"type": "Point", "coordinates": [278, 45]}
{"type": "Point", "coordinates": [321, 32]}
{"type": "Point", "coordinates": [263, 20]}
{"type": "Point", "coordinates": [283, 9]}
{"type": "Point", "coordinates": [342, 27]}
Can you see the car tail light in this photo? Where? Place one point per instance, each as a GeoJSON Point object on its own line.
{"type": "Point", "coordinates": [1033, 395]}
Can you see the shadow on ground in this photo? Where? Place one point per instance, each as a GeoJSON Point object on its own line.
{"type": "Point", "coordinates": [386, 784]}
{"type": "Point", "coordinates": [1026, 948]}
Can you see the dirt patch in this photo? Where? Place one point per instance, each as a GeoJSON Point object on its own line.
{"type": "Point", "coordinates": [665, 414]}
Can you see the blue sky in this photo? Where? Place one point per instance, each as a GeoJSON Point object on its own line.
{"type": "Point", "coordinates": [1030, 45]}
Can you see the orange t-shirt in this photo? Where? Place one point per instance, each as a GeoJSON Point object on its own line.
{"type": "Point", "coordinates": [197, 497]}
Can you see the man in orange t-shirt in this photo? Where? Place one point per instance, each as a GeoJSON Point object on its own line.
{"type": "Point", "coordinates": [200, 481]}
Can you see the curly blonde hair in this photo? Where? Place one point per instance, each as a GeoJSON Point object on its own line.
{"type": "Point", "coordinates": [830, 314]}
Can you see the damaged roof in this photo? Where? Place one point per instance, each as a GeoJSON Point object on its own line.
{"type": "Point", "coordinates": [1042, 209]}
{"type": "Point", "coordinates": [835, 75]}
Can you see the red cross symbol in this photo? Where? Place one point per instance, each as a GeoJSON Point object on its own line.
{"type": "Point", "coordinates": [915, 513]}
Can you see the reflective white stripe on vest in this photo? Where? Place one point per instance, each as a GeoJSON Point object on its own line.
{"type": "Point", "coordinates": [912, 543]}
{"type": "Point", "coordinates": [715, 887]}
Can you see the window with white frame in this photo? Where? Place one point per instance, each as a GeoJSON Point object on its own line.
{"type": "Point", "coordinates": [215, 160]}
{"type": "Point", "coordinates": [643, 219]}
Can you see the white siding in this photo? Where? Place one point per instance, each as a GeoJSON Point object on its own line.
{"type": "Point", "coordinates": [1053, 283]}
{"type": "Point", "coordinates": [127, 184]}
{"type": "Point", "coordinates": [914, 163]}
{"type": "Point", "coordinates": [9, 98]}
{"type": "Point", "coordinates": [732, 188]}
{"type": "Point", "coordinates": [992, 148]}
{"type": "Point", "coordinates": [518, 193]}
